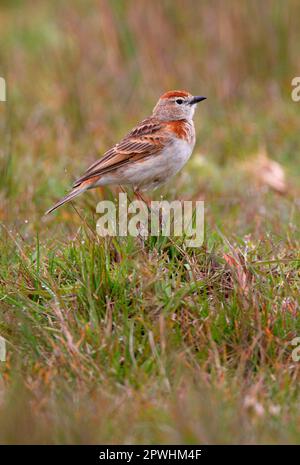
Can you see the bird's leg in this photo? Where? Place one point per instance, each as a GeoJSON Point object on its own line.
{"type": "Point", "coordinates": [122, 189]}
{"type": "Point", "coordinates": [124, 192]}
{"type": "Point", "coordinates": [139, 196]}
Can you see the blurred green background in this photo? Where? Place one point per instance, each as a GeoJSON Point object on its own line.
{"type": "Point", "coordinates": [114, 341]}
{"type": "Point", "coordinates": [80, 75]}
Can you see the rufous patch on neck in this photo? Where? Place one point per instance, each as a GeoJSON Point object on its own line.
{"type": "Point", "coordinates": [181, 128]}
{"type": "Point", "coordinates": [175, 93]}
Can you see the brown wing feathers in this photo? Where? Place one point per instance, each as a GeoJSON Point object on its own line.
{"type": "Point", "coordinates": [139, 143]}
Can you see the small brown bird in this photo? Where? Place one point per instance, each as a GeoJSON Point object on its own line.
{"type": "Point", "coordinates": [150, 154]}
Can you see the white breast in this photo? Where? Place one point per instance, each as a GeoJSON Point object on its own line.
{"type": "Point", "coordinates": [158, 169]}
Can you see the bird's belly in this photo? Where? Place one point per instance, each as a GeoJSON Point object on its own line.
{"type": "Point", "coordinates": [150, 172]}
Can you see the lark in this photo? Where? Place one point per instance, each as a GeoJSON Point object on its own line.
{"type": "Point", "coordinates": [149, 155]}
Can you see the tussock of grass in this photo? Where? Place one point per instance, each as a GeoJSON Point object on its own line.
{"type": "Point", "coordinates": [121, 340]}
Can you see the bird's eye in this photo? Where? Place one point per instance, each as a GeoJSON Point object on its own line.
{"type": "Point", "coordinates": [179, 101]}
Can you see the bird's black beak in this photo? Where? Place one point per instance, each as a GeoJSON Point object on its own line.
{"type": "Point", "coordinates": [196, 99]}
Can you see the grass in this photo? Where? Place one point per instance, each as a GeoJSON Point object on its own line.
{"type": "Point", "coordinates": [114, 340]}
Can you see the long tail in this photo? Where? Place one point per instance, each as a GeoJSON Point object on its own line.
{"type": "Point", "coordinates": [74, 193]}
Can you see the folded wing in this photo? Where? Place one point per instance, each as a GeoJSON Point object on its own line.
{"type": "Point", "coordinates": [145, 140]}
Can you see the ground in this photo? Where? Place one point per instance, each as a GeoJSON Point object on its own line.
{"type": "Point", "coordinates": [118, 340]}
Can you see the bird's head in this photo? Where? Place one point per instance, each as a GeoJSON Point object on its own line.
{"type": "Point", "coordinates": [176, 105]}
